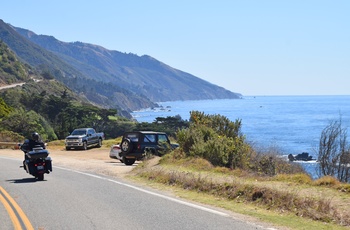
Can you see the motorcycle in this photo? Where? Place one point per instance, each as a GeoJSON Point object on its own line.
{"type": "Point", "coordinates": [37, 162]}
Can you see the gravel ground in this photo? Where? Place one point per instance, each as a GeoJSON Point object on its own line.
{"type": "Point", "coordinates": [94, 160]}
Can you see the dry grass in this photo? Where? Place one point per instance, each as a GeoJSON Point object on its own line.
{"type": "Point", "coordinates": [327, 181]}
{"type": "Point", "coordinates": [299, 178]}
{"type": "Point", "coordinates": [324, 200]}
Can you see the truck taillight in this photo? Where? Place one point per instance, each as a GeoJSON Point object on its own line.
{"type": "Point", "coordinates": [138, 146]}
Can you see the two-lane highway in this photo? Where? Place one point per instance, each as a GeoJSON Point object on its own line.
{"type": "Point", "coordinates": [69, 199]}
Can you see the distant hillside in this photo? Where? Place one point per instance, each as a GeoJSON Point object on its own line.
{"type": "Point", "coordinates": [109, 78]}
{"type": "Point", "coordinates": [11, 70]}
{"type": "Point", "coordinates": [14, 71]}
{"type": "Point", "coordinates": [143, 75]}
{"type": "Point", "coordinates": [99, 93]}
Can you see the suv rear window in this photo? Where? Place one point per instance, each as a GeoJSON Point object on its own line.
{"type": "Point", "coordinates": [133, 137]}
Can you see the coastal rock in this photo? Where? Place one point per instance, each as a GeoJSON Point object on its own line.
{"type": "Point", "coordinates": [300, 157]}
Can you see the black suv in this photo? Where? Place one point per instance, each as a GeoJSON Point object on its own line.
{"type": "Point", "coordinates": [136, 144]}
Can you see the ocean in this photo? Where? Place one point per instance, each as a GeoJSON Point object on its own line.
{"type": "Point", "coordinates": [289, 124]}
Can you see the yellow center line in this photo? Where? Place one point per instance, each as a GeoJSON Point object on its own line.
{"type": "Point", "coordinates": [11, 212]}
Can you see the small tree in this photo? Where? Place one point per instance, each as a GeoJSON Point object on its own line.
{"type": "Point", "coordinates": [334, 152]}
{"type": "Point", "coordinates": [216, 139]}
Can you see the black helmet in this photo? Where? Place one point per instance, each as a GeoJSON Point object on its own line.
{"type": "Point", "coordinates": [35, 136]}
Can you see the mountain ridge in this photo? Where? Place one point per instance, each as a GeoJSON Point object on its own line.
{"type": "Point", "coordinates": [125, 65]}
{"type": "Point", "coordinates": [127, 75]}
{"type": "Point", "coordinates": [98, 93]}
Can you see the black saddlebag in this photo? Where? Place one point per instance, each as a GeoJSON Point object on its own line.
{"type": "Point", "coordinates": [48, 164]}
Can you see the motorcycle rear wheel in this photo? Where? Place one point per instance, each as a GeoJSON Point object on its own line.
{"type": "Point", "coordinates": [41, 177]}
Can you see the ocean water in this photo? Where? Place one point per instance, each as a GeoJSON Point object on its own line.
{"type": "Point", "coordinates": [290, 124]}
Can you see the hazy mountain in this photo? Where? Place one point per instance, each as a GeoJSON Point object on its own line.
{"type": "Point", "coordinates": [44, 61]}
{"type": "Point", "coordinates": [109, 78]}
{"type": "Point", "coordinates": [143, 75]}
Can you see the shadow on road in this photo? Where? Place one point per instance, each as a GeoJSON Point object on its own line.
{"type": "Point", "coordinates": [120, 163]}
{"type": "Point", "coordinates": [23, 180]}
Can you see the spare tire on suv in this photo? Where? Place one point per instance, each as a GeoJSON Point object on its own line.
{"type": "Point", "coordinates": [126, 146]}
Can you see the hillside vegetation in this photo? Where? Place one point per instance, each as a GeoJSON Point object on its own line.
{"type": "Point", "coordinates": [47, 106]}
{"type": "Point", "coordinates": [104, 94]}
{"type": "Point", "coordinates": [11, 70]}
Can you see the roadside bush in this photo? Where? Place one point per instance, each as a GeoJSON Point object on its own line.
{"type": "Point", "coordinates": [271, 164]}
{"type": "Point", "coordinates": [9, 136]}
{"type": "Point", "coordinates": [220, 141]}
{"type": "Point", "coordinates": [215, 139]}
{"type": "Point", "coordinates": [176, 154]}
{"type": "Point", "coordinates": [220, 124]}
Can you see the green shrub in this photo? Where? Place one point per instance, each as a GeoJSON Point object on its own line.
{"type": "Point", "coordinates": [220, 124]}
{"type": "Point", "coordinates": [215, 139]}
{"type": "Point", "coordinates": [220, 141]}
{"type": "Point", "coordinates": [9, 136]}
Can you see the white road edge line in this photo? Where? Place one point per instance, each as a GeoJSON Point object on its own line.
{"type": "Point", "coordinates": [149, 192]}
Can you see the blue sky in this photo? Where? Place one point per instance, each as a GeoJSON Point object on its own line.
{"type": "Point", "coordinates": [253, 47]}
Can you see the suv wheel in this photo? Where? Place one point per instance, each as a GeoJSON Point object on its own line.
{"type": "Point", "coordinates": [126, 146]}
{"type": "Point", "coordinates": [128, 161]}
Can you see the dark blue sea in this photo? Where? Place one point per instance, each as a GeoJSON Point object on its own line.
{"type": "Point", "coordinates": [289, 124]}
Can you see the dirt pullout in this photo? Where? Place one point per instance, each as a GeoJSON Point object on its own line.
{"type": "Point", "coordinates": [92, 160]}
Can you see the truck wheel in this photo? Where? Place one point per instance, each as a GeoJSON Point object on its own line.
{"type": "Point", "coordinates": [99, 145]}
{"type": "Point", "coordinates": [84, 145]}
{"type": "Point", "coordinates": [67, 148]}
{"type": "Point", "coordinates": [126, 146]}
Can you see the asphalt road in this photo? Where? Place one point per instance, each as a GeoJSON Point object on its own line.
{"type": "Point", "coordinates": [69, 199]}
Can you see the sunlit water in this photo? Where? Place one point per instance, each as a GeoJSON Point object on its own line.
{"type": "Point", "coordinates": [291, 124]}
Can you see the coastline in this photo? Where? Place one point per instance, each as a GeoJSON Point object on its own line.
{"type": "Point", "coordinates": [287, 124]}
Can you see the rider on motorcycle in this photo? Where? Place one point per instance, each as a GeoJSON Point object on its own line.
{"type": "Point", "coordinates": [36, 161]}
{"type": "Point", "coordinates": [29, 144]}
